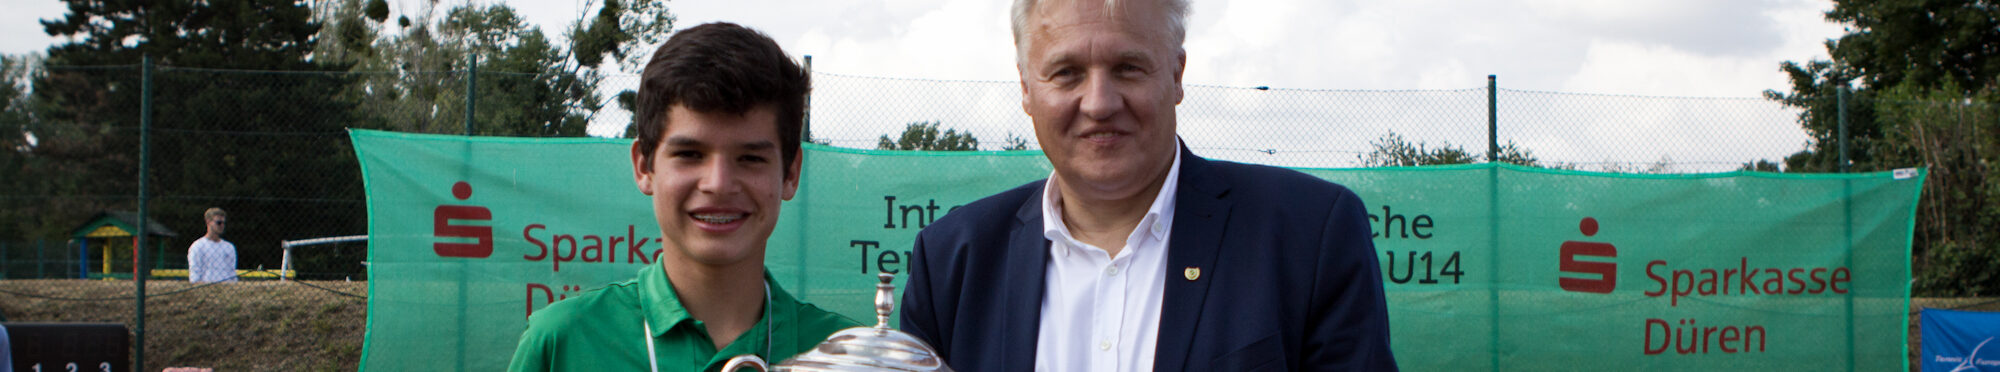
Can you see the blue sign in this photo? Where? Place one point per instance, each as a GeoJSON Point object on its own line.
{"type": "Point", "coordinates": [1958, 341]}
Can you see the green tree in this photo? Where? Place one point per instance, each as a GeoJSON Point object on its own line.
{"type": "Point", "coordinates": [1888, 43]}
{"type": "Point", "coordinates": [1015, 143]}
{"type": "Point", "coordinates": [19, 189]}
{"type": "Point", "coordinates": [1391, 150]}
{"type": "Point", "coordinates": [1515, 154]}
{"type": "Point", "coordinates": [925, 136]}
{"type": "Point", "coordinates": [527, 88]}
{"type": "Point", "coordinates": [626, 30]}
{"type": "Point", "coordinates": [1953, 134]}
{"type": "Point", "coordinates": [264, 145]}
{"type": "Point", "coordinates": [1935, 43]}
{"type": "Point", "coordinates": [528, 85]}
{"type": "Point", "coordinates": [405, 80]}
{"type": "Point", "coordinates": [351, 30]}
{"type": "Point", "coordinates": [1761, 165]}
{"type": "Point", "coordinates": [1917, 70]}
{"type": "Point", "coordinates": [1815, 87]}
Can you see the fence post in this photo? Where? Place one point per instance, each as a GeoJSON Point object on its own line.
{"type": "Point", "coordinates": [1493, 217]}
{"type": "Point", "coordinates": [471, 90]}
{"type": "Point", "coordinates": [139, 246]}
{"type": "Point", "coordinates": [1841, 100]}
{"type": "Point", "coordinates": [1492, 120]}
{"type": "Point", "coordinates": [40, 259]}
{"type": "Point", "coordinates": [805, 135]}
{"type": "Point", "coordinates": [806, 130]}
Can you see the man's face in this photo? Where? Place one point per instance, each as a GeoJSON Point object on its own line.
{"type": "Point", "coordinates": [216, 225]}
{"type": "Point", "coordinates": [716, 182]}
{"type": "Point", "coordinates": [1101, 85]}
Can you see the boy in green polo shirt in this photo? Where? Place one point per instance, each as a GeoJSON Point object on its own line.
{"type": "Point", "coordinates": [718, 117]}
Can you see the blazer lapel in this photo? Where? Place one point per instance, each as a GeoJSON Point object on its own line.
{"type": "Point", "coordinates": [1027, 260]}
{"type": "Point", "coordinates": [1201, 212]}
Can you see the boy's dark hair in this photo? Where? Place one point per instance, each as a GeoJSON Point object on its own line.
{"type": "Point", "coordinates": [721, 68]}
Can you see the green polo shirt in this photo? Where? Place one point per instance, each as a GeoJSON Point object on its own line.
{"type": "Point", "coordinates": [603, 330]}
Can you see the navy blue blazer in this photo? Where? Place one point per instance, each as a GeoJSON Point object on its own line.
{"type": "Point", "coordinates": [1288, 282]}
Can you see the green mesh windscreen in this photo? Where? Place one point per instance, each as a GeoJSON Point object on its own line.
{"type": "Point", "coordinates": [1487, 267]}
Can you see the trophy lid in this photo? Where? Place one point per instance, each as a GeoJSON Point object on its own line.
{"type": "Point", "coordinates": [877, 348]}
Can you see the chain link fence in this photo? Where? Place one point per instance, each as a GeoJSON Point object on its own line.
{"type": "Point", "coordinates": [1341, 128]}
{"type": "Point", "coordinates": [271, 148]}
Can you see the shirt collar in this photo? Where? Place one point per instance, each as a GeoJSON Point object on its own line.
{"type": "Point", "coordinates": [662, 307]}
{"type": "Point", "coordinates": [1157, 222]}
{"type": "Point", "coordinates": [657, 300]}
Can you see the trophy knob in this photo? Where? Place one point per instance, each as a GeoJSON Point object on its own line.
{"type": "Point", "coordinates": [750, 361]}
{"type": "Point", "coordinates": [885, 299]}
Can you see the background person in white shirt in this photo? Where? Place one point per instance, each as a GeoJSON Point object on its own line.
{"type": "Point", "coordinates": [212, 259]}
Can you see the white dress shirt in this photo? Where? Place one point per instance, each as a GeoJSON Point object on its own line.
{"type": "Point", "coordinates": [211, 261]}
{"type": "Point", "coordinates": [1102, 313]}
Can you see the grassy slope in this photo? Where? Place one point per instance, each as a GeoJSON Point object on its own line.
{"type": "Point", "coordinates": [261, 325]}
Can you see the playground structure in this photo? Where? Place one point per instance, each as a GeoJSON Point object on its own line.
{"type": "Point", "coordinates": [109, 231]}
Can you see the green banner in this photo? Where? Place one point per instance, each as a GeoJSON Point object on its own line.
{"type": "Point", "coordinates": [1487, 267]}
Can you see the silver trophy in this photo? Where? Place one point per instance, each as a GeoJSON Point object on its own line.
{"type": "Point", "coordinates": [877, 348]}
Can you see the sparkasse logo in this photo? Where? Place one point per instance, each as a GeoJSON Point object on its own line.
{"type": "Point", "coordinates": [481, 235]}
{"type": "Point", "coordinates": [1607, 272]}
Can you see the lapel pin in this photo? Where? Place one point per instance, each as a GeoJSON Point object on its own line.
{"type": "Point", "coordinates": [1192, 273]}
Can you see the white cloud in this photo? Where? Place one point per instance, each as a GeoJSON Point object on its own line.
{"type": "Point", "coordinates": [1450, 74]}
{"type": "Point", "coordinates": [1618, 67]}
{"type": "Point", "coordinates": [955, 40]}
{"type": "Point", "coordinates": [22, 28]}
{"type": "Point", "coordinates": [1804, 29]}
{"type": "Point", "coordinates": [1728, 48]}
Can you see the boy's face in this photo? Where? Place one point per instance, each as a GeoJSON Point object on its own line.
{"type": "Point", "coordinates": [716, 182]}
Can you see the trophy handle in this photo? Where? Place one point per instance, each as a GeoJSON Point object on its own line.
{"type": "Point", "coordinates": [748, 360]}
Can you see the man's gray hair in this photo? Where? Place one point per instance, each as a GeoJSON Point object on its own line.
{"type": "Point", "coordinates": [1176, 12]}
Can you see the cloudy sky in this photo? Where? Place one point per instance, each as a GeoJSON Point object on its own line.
{"type": "Point", "coordinates": [1728, 48]}
{"type": "Point", "coordinates": [1683, 48]}
{"type": "Point", "coordinates": [1653, 47]}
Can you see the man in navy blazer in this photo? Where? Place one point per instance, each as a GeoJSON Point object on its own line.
{"type": "Point", "coordinates": [1136, 254]}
